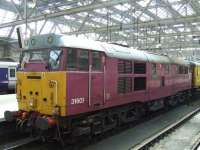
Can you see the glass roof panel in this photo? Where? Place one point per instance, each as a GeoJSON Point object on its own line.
{"type": "Point", "coordinates": [126, 20]}
{"type": "Point", "coordinates": [83, 14]}
{"type": "Point", "coordinates": [68, 17]}
{"type": "Point", "coordinates": [143, 3]}
{"type": "Point", "coordinates": [64, 7]}
{"type": "Point", "coordinates": [124, 13]}
{"type": "Point", "coordinates": [4, 31]}
{"type": "Point", "coordinates": [124, 7]}
{"type": "Point", "coordinates": [101, 20]}
{"type": "Point", "coordinates": [160, 12]}
{"type": "Point", "coordinates": [6, 16]}
{"type": "Point", "coordinates": [145, 17]}
{"type": "Point", "coordinates": [183, 9]}
{"type": "Point", "coordinates": [117, 17]}
{"type": "Point", "coordinates": [15, 1]}
{"type": "Point", "coordinates": [45, 30]}
{"type": "Point", "coordinates": [173, 1]}
{"type": "Point", "coordinates": [101, 11]}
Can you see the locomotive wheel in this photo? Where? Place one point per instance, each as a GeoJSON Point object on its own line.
{"type": "Point", "coordinates": [181, 99]}
{"type": "Point", "coordinates": [132, 114]}
{"type": "Point", "coordinates": [172, 101]}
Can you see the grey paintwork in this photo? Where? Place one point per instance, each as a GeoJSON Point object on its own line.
{"type": "Point", "coordinates": [111, 50]}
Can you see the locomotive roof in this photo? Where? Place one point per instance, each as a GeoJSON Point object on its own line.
{"type": "Point", "coordinates": [112, 50]}
{"type": "Point", "coordinates": [195, 63]}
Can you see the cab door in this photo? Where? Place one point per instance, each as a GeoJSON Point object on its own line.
{"type": "Point", "coordinates": [96, 77]}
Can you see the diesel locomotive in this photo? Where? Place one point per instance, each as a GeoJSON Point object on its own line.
{"type": "Point", "coordinates": [70, 86]}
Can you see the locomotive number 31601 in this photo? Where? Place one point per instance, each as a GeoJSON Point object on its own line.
{"type": "Point", "coordinates": [79, 100]}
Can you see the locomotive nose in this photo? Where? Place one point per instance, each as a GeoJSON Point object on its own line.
{"type": "Point", "coordinates": [42, 92]}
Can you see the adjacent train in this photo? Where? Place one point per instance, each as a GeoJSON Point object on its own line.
{"type": "Point", "coordinates": [7, 76]}
{"type": "Point", "coordinates": [79, 87]}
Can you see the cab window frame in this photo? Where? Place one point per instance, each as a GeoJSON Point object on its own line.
{"type": "Point", "coordinates": [75, 67]}
{"type": "Point", "coordinates": [100, 68]}
{"type": "Point", "coordinates": [58, 60]}
{"type": "Point", "coordinates": [167, 68]}
{"type": "Point", "coordinates": [154, 70]}
{"type": "Point", "coordinates": [78, 60]}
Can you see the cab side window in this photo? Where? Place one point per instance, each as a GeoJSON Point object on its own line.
{"type": "Point", "coordinates": [83, 60]}
{"type": "Point", "coordinates": [167, 69]}
{"type": "Point", "coordinates": [96, 60]}
{"type": "Point", "coordinates": [154, 71]}
{"type": "Point", "coordinates": [71, 59]}
{"type": "Point", "coordinates": [54, 59]}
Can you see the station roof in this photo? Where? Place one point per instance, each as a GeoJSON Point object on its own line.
{"type": "Point", "coordinates": [170, 26]}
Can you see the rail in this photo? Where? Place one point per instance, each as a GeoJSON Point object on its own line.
{"type": "Point", "coordinates": [149, 141]}
{"type": "Point", "coordinates": [6, 127]}
{"type": "Point", "coordinates": [19, 143]}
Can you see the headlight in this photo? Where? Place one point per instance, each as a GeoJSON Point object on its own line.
{"type": "Point", "coordinates": [50, 39]}
{"type": "Point", "coordinates": [31, 103]}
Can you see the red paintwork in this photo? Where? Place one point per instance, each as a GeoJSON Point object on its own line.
{"type": "Point", "coordinates": [77, 85]}
{"type": "Point", "coordinates": [35, 66]}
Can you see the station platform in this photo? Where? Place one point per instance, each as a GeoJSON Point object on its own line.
{"type": "Point", "coordinates": [7, 102]}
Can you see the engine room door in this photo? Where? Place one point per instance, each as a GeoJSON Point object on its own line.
{"type": "Point", "coordinates": [96, 78]}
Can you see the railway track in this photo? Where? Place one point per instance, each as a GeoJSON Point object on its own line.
{"type": "Point", "coordinates": [85, 144]}
{"type": "Point", "coordinates": [24, 142]}
{"type": "Point", "coordinates": [18, 143]}
{"type": "Point", "coordinates": [149, 142]}
{"type": "Point", "coordinates": [196, 145]}
{"type": "Point", "coordinates": [6, 128]}
{"type": "Point", "coordinates": [9, 138]}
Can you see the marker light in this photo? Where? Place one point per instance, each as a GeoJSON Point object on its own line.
{"type": "Point", "coordinates": [50, 39]}
{"type": "Point", "coordinates": [33, 41]}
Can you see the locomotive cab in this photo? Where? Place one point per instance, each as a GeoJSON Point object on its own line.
{"type": "Point", "coordinates": [57, 80]}
{"type": "Point", "coordinates": [41, 82]}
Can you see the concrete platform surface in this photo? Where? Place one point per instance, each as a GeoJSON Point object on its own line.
{"type": "Point", "coordinates": [7, 102]}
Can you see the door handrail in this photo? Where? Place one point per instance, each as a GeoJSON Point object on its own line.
{"type": "Point", "coordinates": [89, 85]}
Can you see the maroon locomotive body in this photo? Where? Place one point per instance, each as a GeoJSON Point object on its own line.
{"type": "Point", "coordinates": [88, 87]}
{"type": "Point", "coordinates": [149, 79]}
